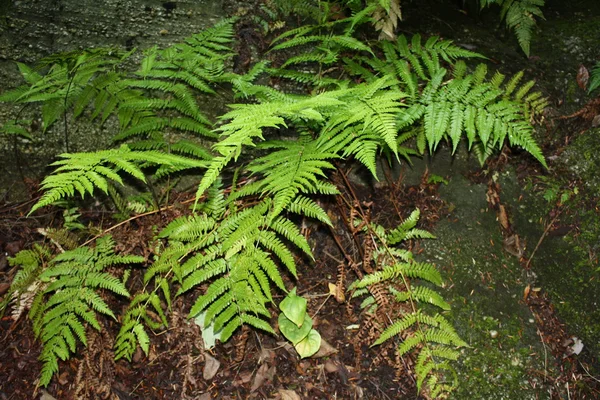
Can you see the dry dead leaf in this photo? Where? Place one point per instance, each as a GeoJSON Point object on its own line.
{"type": "Point", "coordinates": [503, 217]}
{"type": "Point", "coordinates": [338, 294]}
{"type": "Point", "coordinates": [263, 374]}
{"type": "Point", "coordinates": [526, 292]}
{"type": "Point", "coordinates": [4, 288]}
{"type": "Point", "coordinates": [325, 350]}
{"type": "Point", "coordinates": [211, 366]}
{"type": "Point", "coordinates": [266, 355]}
{"type": "Point", "coordinates": [514, 246]}
{"type": "Point", "coordinates": [330, 366]}
{"type": "Point", "coordinates": [583, 76]}
{"type": "Point", "coordinates": [288, 395]}
{"type": "Point", "coordinates": [46, 395]}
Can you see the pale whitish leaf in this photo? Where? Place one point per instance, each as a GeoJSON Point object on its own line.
{"type": "Point", "coordinates": [208, 334]}
{"type": "Point", "coordinates": [46, 396]}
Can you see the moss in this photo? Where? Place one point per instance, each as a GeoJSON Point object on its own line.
{"type": "Point", "coordinates": [485, 286]}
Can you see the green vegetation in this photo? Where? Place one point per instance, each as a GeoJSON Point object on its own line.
{"type": "Point", "coordinates": [401, 97]}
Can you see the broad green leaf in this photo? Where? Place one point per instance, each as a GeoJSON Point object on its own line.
{"type": "Point", "coordinates": [294, 307]}
{"type": "Point", "coordinates": [309, 345]}
{"type": "Point", "coordinates": [291, 331]}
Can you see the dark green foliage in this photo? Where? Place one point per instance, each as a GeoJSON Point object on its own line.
{"type": "Point", "coordinates": [16, 128]}
{"type": "Point", "coordinates": [73, 81]}
{"type": "Point", "coordinates": [594, 82]}
{"type": "Point", "coordinates": [519, 16]}
{"type": "Point", "coordinates": [174, 77]}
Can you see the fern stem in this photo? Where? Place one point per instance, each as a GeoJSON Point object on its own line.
{"type": "Point", "coordinates": [107, 230]}
{"type": "Point", "coordinates": [66, 127]}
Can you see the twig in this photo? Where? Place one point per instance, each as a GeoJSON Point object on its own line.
{"type": "Point", "coordinates": [539, 243]}
{"type": "Point", "coordinates": [588, 372]}
{"type": "Point", "coordinates": [545, 356]}
{"type": "Point", "coordinates": [104, 232]}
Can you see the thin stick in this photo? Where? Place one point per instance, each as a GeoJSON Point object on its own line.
{"type": "Point", "coordinates": [542, 238]}
{"type": "Point", "coordinates": [104, 232]}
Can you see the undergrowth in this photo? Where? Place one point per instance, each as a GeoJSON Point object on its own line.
{"type": "Point", "coordinates": [261, 166]}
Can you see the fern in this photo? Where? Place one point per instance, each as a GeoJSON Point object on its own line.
{"type": "Point", "coordinates": [237, 254]}
{"type": "Point", "coordinates": [171, 79]}
{"type": "Point", "coordinates": [485, 112]}
{"type": "Point", "coordinates": [239, 242]}
{"type": "Point", "coordinates": [248, 121]}
{"type": "Point", "coordinates": [322, 50]}
{"type": "Point", "coordinates": [16, 128]}
{"type": "Point", "coordinates": [594, 78]}
{"type": "Point", "coordinates": [132, 331]}
{"type": "Point", "coordinates": [73, 79]}
{"type": "Point", "coordinates": [67, 297]}
{"type": "Point", "coordinates": [519, 16]}
{"type": "Point", "coordinates": [466, 105]}
{"type": "Point", "coordinates": [431, 337]}
{"type": "Point", "coordinates": [83, 172]}
{"type": "Point", "coordinates": [291, 168]}
{"type": "Point", "coordinates": [25, 283]}
{"type": "Point", "coordinates": [366, 124]}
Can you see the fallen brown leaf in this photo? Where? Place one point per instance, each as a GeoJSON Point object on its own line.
{"type": "Point", "coordinates": [503, 217]}
{"type": "Point", "coordinates": [330, 366]}
{"type": "Point", "coordinates": [583, 77]}
{"type": "Point", "coordinates": [211, 366]}
{"type": "Point", "coordinates": [526, 292]}
{"type": "Point", "coordinates": [288, 395]}
{"type": "Point", "coordinates": [264, 373]}
{"type": "Point", "coordinates": [325, 350]}
{"type": "Point", "coordinates": [337, 292]}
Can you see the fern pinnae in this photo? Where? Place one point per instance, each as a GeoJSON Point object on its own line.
{"type": "Point", "coordinates": [307, 207]}
{"type": "Point", "coordinates": [420, 332]}
{"type": "Point", "coordinates": [73, 278]}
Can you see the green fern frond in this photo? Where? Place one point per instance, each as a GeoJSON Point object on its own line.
{"type": "Point", "coordinates": [430, 336]}
{"type": "Point", "coordinates": [519, 16]}
{"type": "Point", "coordinates": [132, 332]}
{"type": "Point", "coordinates": [83, 172]}
{"type": "Point", "coordinates": [421, 294]}
{"type": "Point", "coordinates": [293, 168]}
{"type": "Point", "coordinates": [309, 208]}
{"type": "Point", "coordinates": [237, 255]}
{"type": "Point", "coordinates": [248, 121]}
{"type": "Point", "coordinates": [594, 82]}
{"type": "Point", "coordinates": [72, 280]}
{"type": "Point", "coordinates": [480, 109]}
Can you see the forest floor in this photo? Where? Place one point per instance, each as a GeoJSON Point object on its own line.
{"type": "Point", "coordinates": [497, 239]}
